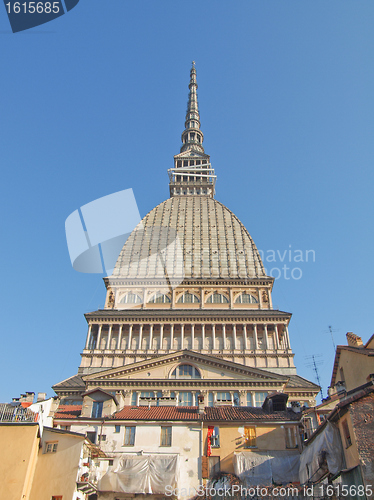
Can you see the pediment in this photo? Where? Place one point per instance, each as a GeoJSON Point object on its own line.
{"type": "Point", "coordinates": [191, 153]}
{"type": "Point", "coordinates": [210, 367]}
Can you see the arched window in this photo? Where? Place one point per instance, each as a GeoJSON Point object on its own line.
{"type": "Point", "coordinates": [185, 371]}
{"type": "Point", "coordinates": [131, 298]}
{"type": "Point", "coordinates": [246, 298]}
{"type": "Point", "coordinates": [159, 298]}
{"type": "Point", "coordinates": [188, 298]}
{"type": "Point", "coordinates": [217, 298]}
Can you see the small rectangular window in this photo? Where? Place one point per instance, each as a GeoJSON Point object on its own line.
{"type": "Point", "coordinates": [291, 437]}
{"type": "Point", "coordinates": [215, 438]}
{"type": "Point", "coordinates": [129, 435]}
{"type": "Point", "coordinates": [57, 498]}
{"type": "Point", "coordinates": [97, 409]}
{"type": "Point", "coordinates": [51, 447]}
{"type": "Point", "coordinates": [117, 428]}
{"type": "Point", "coordinates": [249, 437]}
{"type": "Point", "coordinates": [165, 436]}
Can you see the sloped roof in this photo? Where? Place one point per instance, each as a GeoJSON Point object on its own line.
{"type": "Point", "coordinates": [248, 413]}
{"type": "Point", "coordinates": [68, 411]}
{"type": "Point", "coordinates": [191, 413]}
{"type": "Point", "coordinates": [72, 382]}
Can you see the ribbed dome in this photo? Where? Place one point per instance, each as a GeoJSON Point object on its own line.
{"type": "Point", "coordinates": [189, 237]}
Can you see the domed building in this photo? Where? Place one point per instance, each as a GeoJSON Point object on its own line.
{"type": "Point", "coordinates": [188, 311]}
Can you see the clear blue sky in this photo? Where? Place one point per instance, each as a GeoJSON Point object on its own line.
{"type": "Point", "coordinates": [94, 102]}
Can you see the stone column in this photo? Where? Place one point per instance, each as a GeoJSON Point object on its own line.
{"type": "Point", "coordinates": [130, 336]}
{"type": "Point", "coordinates": [266, 337]}
{"type": "Point", "coordinates": [171, 335]}
{"type": "Point", "coordinates": [150, 336]}
{"type": "Point", "coordinates": [276, 336]}
{"type": "Point", "coordinates": [140, 336]}
{"type": "Point", "coordinates": [109, 337]}
{"type": "Point", "coordinates": [119, 340]}
{"type": "Point", "coordinates": [194, 398]}
{"type": "Point", "coordinates": [288, 338]}
{"type": "Point", "coordinates": [182, 336]}
{"type": "Point", "coordinates": [245, 336]}
{"type": "Point", "coordinates": [203, 334]}
{"type": "Point", "coordinates": [88, 336]}
{"type": "Point", "coordinates": [192, 336]}
{"type": "Point", "coordinates": [234, 335]}
{"type": "Point", "coordinates": [224, 335]}
{"type": "Point", "coordinates": [161, 335]}
{"type": "Point", "coordinates": [214, 336]}
{"type": "Point", "coordinates": [99, 337]}
{"type": "Point", "coordinates": [255, 336]}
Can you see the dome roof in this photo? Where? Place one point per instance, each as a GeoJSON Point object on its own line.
{"type": "Point", "coordinates": [189, 237]}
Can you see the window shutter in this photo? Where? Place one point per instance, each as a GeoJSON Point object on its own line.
{"type": "Point", "coordinates": [204, 467]}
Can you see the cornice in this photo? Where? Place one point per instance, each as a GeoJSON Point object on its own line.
{"type": "Point", "coordinates": [205, 316]}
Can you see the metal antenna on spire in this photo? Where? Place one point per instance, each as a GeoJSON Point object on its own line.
{"type": "Point", "coordinates": [314, 363]}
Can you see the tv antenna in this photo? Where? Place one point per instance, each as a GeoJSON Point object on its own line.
{"type": "Point", "coordinates": [332, 336]}
{"type": "Point", "coordinates": [314, 363]}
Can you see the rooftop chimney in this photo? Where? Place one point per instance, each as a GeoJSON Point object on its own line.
{"type": "Point", "coordinates": [354, 340]}
{"type": "Point", "coordinates": [42, 396]}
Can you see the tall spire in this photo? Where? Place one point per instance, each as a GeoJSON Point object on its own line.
{"type": "Point", "coordinates": [192, 137]}
{"type": "Point", "coordinates": [192, 174]}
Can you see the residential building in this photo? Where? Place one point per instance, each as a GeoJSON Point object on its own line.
{"type": "Point", "coordinates": [40, 462]}
{"type": "Point", "coordinates": [339, 450]}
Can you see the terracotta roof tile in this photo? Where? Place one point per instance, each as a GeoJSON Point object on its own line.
{"type": "Point", "coordinates": [230, 413]}
{"type": "Point", "coordinates": [68, 411]}
{"type": "Point", "coordinates": [247, 413]}
{"type": "Point", "coordinates": [157, 413]}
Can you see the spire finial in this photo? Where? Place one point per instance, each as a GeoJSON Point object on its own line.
{"type": "Point", "coordinates": [192, 174]}
{"type": "Point", "coordinates": [192, 136]}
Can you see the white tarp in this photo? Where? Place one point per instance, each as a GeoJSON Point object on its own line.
{"type": "Point", "coordinates": [267, 467]}
{"type": "Point", "coordinates": [141, 474]}
{"type": "Point", "coordinates": [324, 453]}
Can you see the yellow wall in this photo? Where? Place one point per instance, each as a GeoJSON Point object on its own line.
{"type": "Point", "coordinates": [56, 473]}
{"type": "Point", "coordinates": [268, 438]}
{"type": "Point", "coordinates": [350, 453]}
{"type": "Point", "coordinates": [356, 368]}
{"type": "Point", "coordinates": [19, 445]}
